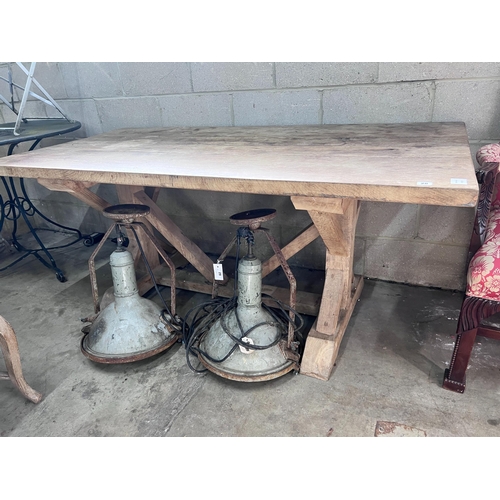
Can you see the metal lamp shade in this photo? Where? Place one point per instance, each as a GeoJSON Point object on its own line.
{"type": "Point", "coordinates": [130, 328]}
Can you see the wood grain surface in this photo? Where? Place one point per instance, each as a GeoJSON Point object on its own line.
{"type": "Point", "coordinates": [428, 163]}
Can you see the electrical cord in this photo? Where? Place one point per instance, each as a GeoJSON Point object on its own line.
{"type": "Point", "coordinates": [2, 214]}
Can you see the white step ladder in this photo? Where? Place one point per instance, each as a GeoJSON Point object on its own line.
{"type": "Point", "coordinates": [30, 79]}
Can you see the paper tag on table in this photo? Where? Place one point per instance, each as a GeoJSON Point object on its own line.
{"type": "Point", "coordinates": [218, 272]}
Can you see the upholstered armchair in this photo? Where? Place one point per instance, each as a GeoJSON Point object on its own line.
{"type": "Point", "coordinates": [482, 294]}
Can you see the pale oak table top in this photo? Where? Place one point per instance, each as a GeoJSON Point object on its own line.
{"type": "Point", "coordinates": [426, 163]}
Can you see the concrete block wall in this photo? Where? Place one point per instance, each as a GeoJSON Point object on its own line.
{"type": "Point", "coordinates": [424, 245]}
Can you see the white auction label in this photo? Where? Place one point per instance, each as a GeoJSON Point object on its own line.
{"type": "Point", "coordinates": [424, 183]}
{"type": "Point", "coordinates": [246, 340]}
{"type": "Point", "coordinates": [218, 272]}
{"type": "Point", "coordinates": [458, 181]}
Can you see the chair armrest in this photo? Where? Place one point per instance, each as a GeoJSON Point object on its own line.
{"type": "Point", "coordinates": [488, 158]}
{"type": "Point", "coordinates": [488, 154]}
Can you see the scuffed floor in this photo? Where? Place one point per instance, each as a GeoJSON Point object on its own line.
{"type": "Point", "coordinates": [389, 370]}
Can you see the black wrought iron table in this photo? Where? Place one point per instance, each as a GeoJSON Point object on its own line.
{"type": "Point", "coordinates": [17, 203]}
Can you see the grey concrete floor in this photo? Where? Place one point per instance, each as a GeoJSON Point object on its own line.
{"type": "Point", "coordinates": [389, 369]}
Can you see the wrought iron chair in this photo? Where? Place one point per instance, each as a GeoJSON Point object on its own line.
{"type": "Point", "coordinates": [482, 294]}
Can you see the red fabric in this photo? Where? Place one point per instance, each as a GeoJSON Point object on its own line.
{"type": "Point", "coordinates": [483, 276]}
{"type": "Point", "coordinates": [489, 153]}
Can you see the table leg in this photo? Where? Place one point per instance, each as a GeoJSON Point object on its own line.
{"type": "Point", "coordinates": [336, 222]}
{"type": "Point", "coordinates": [10, 350]}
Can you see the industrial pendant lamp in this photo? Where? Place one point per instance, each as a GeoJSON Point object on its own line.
{"type": "Point", "coordinates": [242, 339]}
{"type": "Point", "coordinates": [131, 327]}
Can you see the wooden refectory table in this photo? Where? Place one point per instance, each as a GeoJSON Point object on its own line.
{"type": "Point", "coordinates": [325, 169]}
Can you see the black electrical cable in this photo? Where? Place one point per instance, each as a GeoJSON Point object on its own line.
{"type": "Point", "coordinates": [2, 215]}
{"type": "Point", "coordinates": [283, 308]}
{"type": "Point", "coordinates": [202, 324]}
{"type": "Point", "coordinates": [245, 333]}
{"type": "Point", "coordinates": [165, 313]}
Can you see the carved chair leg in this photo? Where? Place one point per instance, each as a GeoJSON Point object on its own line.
{"type": "Point", "coordinates": [10, 350]}
{"type": "Point", "coordinates": [473, 311]}
{"type": "Point", "coordinates": [454, 376]}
